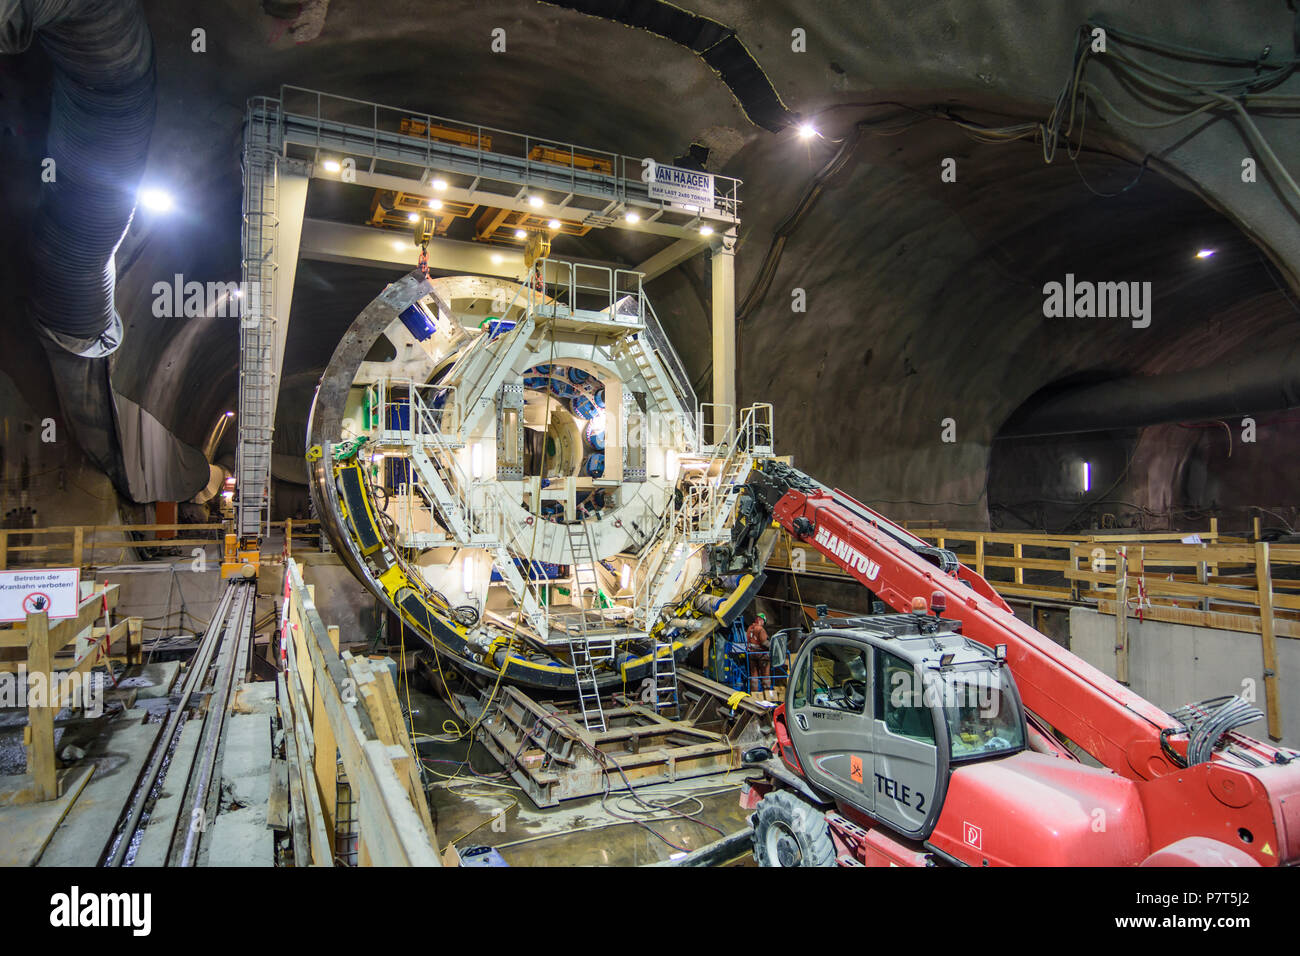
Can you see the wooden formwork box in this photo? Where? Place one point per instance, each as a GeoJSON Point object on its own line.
{"type": "Point", "coordinates": [338, 711]}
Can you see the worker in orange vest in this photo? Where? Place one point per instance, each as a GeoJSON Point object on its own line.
{"type": "Point", "coordinates": [760, 662]}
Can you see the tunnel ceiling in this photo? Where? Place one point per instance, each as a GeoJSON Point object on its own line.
{"type": "Point", "coordinates": [923, 297]}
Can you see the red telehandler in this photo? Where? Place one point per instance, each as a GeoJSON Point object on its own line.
{"type": "Point", "coordinates": [938, 735]}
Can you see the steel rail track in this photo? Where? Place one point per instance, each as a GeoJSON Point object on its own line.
{"type": "Point", "coordinates": [225, 635]}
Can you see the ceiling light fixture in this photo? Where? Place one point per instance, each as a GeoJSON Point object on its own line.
{"type": "Point", "coordinates": [332, 165]}
{"type": "Point", "coordinates": [807, 131]}
{"type": "Point", "coordinates": [435, 203]}
{"type": "Point", "coordinates": [520, 234]}
{"type": "Point", "coordinates": [706, 230]}
{"type": "Point", "coordinates": [535, 201]}
{"type": "Point", "coordinates": [1205, 253]}
{"type": "Point", "coordinates": [632, 216]}
{"type": "Point", "coordinates": [554, 224]}
{"type": "Point", "coordinates": [440, 184]}
{"type": "Point", "coordinates": [413, 216]}
{"type": "Point", "coordinates": [157, 200]}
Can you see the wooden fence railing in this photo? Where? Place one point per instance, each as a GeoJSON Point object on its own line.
{"type": "Point", "coordinates": [44, 654]}
{"type": "Point", "coordinates": [1253, 588]}
{"type": "Point", "coordinates": [1018, 564]}
{"type": "Point", "coordinates": [78, 545]}
{"type": "Point", "coordinates": [1216, 582]}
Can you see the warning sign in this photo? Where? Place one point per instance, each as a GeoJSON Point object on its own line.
{"type": "Point", "coordinates": [56, 591]}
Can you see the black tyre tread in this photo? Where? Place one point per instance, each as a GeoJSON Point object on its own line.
{"type": "Point", "coordinates": [805, 821]}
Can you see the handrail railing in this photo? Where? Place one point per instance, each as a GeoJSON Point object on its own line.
{"type": "Point", "coordinates": [84, 540]}
{"type": "Point", "coordinates": [672, 363]}
{"type": "Point", "coordinates": [511, 530]}
{"type": "Point", "coordinates": [485, 150]}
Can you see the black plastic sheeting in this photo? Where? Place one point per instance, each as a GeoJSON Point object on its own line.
{"type": "Point", "coordinates": [101, 119]}
{"type": "Point", "coordinates": [715, 43]}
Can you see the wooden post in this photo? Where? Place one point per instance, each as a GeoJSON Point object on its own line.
{"type": "Point", "coordinates": [1121, 615]}
{"type": "Point", "coordinates": [288, 537]}
{"type": "Point", "coordinates": [1256, 524]}
{"type": "Point", "coordinates": [78, 545]}
{"type": "Point", "coordinates": [1203, 576]}
{"type": "Point", "coordinates": [4, 549]}
{"type": "Point", "coordinates": [979, 555]}
{"type": "Point", "coordinates": [326, 758]}
{"type": "Point", "coordinates": [1214, 529]}
{"type": "Point", "coordinates": [1018, 552]}
{"type": "Point", "coordinates": [1264, 583]}
{"type": "Point", "coordinates": [134, 640]}
{"type": "Point", "coordinates": [40, 715]}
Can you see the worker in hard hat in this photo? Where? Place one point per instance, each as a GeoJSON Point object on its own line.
{"type": "Point", "coordinates": [760, 661]}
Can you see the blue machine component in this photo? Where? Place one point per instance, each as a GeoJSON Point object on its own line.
{"type": "Point", "coordinates": [730, 658]}
{"type": "Point", "coordinates": [397, 471]}
{"type": "Point", "coordinates": [584, 407]}
{"type": "Point", "coordinates": [496, 326]}
{"type": "Point", "coordinates": [590, 502]}
{"type": "Point", "coordinates": [535, 381]}
{"type": "Point", "coordinates": [596, 437]}
{"type": "Point", "coordinates": [595, 464]}
{"type": "Point", "coordinates": [540, 571]}
{"type": "Point", "coordinates": [482, 856]}
{"type": "Point", "coordinates": [399, 416]}
{"type": "Point", "coordinates": [577, 376]}
{"type": "Point", "coordinates": [730, 663]}
{"type": "Point", "coordinates": [599, 397]}
{"type": "Point", "coordinates": [417, 322]}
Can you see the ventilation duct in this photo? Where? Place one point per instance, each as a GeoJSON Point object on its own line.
{"type": "Point", "coordinates": [101, 119]}
{"type": "Point", "coordinates": [713, 42]}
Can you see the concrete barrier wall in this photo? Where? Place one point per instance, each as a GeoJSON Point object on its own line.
{"type": "Point", "coordinates": [1175, 664]}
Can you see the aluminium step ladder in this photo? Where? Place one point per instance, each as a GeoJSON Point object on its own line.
{"type": "Point", "coordinates": [586, 654]}
{"type": "Point", "coordinates": [587, 650]}
{"type": "Point", "coordinates": [663, 694]}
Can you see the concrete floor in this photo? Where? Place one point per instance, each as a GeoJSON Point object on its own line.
{"type": "Point", "coordinates": [575, 833]}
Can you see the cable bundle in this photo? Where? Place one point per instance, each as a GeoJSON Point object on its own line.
{"type": "Point", "coordinates": [1209, 720]}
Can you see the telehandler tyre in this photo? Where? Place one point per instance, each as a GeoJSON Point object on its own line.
{"type": "Point", "coordinates": [790, 832]}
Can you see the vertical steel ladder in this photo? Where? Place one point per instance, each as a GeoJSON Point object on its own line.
{"type": "Point", "coordinates": [257, 326]}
